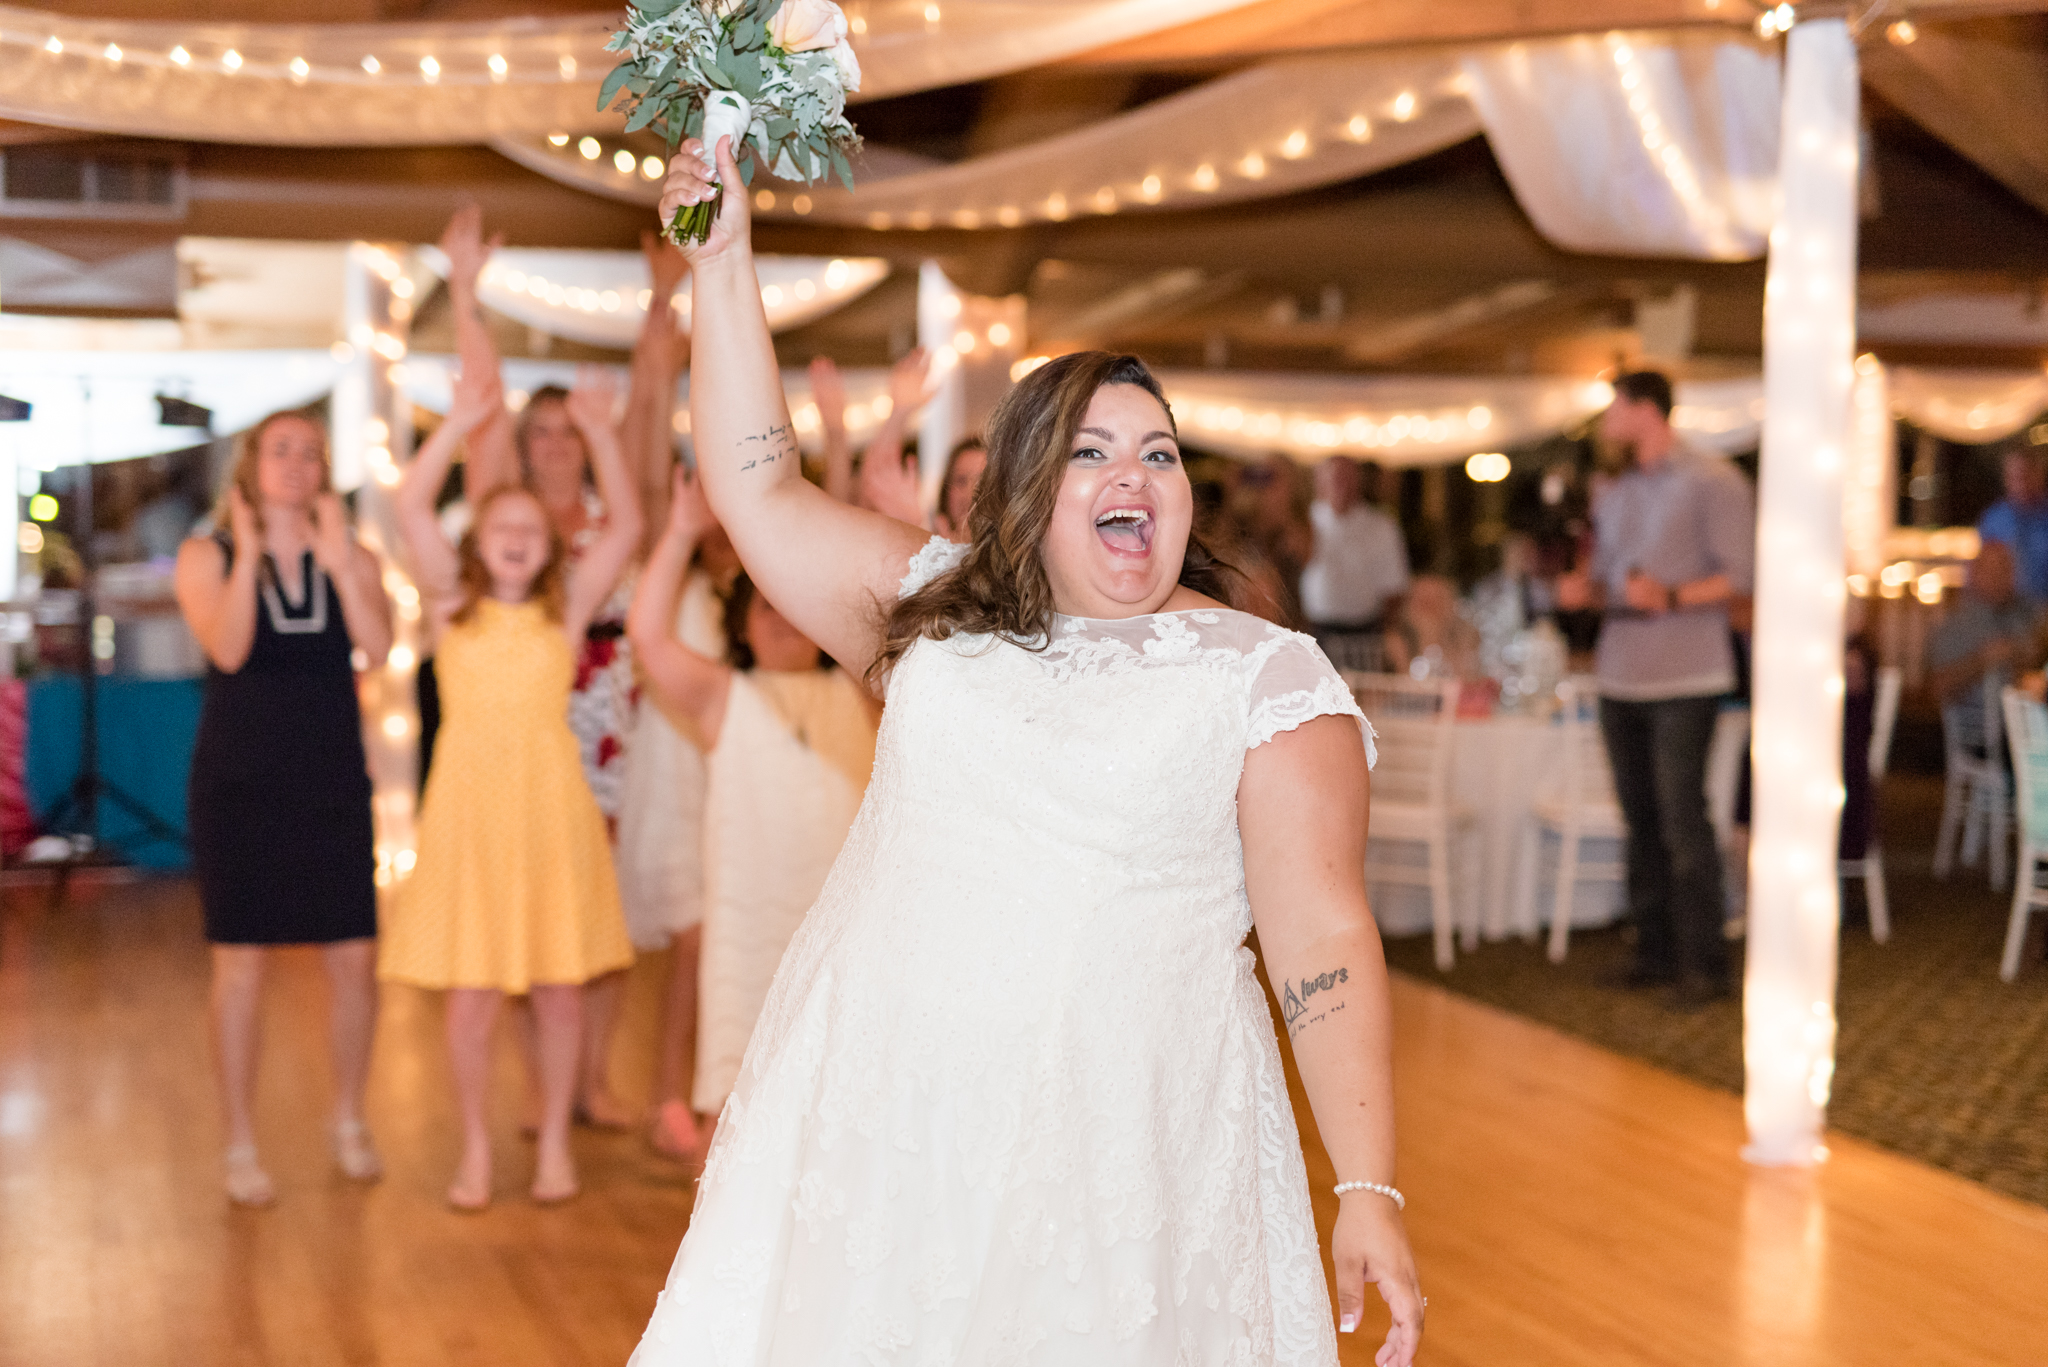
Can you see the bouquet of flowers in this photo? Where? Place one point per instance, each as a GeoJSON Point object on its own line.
{"type": "Point", "coordinates": [773, 75]}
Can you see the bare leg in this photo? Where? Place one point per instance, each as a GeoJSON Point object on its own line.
{"type": "Point", "coordinates": [237, 1011]}
{"type": "Point", "coordinates": [676, 1132]}
{"type": "Point", "coordinates": [558, 1021]}
{"type": "Point", "coordinates": [602, 998]}
{"type": "Point", "coordinates": [529, 1059]}
{"type": "Point", "coordinates": [352, 988]}
{"type": "Point", "coordinates": [352, 994]}
{"type": "Point", "coordinates": [238, 1035]}
{"type": "Point", "coordinates": [472, 1012]}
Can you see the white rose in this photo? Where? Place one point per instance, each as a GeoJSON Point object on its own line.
{"type": "Point", "coordinates": [807, 25]}
{"type": "Point", "coordinates": [849, 66]}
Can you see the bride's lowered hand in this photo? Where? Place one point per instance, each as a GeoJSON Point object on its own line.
{"type": "Point", "coordinates": [690, 182]}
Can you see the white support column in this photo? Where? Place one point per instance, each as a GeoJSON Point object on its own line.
{"type": "Point", "coordinates": [974, 340]}
{"type": "Point", "coordinates": [371, 422]}
{"type": "Point", "coordinates": [1809, 347]}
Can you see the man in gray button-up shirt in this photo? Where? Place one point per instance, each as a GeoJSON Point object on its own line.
{"type": "Point", "coordinates": [1674, 542]}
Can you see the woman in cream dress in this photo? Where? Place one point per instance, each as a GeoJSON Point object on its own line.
{"type": "Point", "coordinates": [789, 747]}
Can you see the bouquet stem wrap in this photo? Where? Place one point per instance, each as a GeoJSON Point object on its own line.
{"type": "Point", "coordinates": [726, 115]}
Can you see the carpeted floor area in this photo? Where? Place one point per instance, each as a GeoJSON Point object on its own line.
{"type": "Point", "coordinates": [1937, 1058]}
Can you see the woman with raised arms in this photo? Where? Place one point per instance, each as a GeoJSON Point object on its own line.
{"type": "Point", "coordinates": [1015, 1094]}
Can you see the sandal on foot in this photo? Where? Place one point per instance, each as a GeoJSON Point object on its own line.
{"type": "Point", "coordinates": [247, 1183]}
{"type": "Point", "coordinates": [355, 1154]}
{"type": "Point", "coordinates": [675, 1133]}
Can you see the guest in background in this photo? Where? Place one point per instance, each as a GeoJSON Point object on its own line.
{"type": "Point", "coordinates": [1427, 639]}
{"type": "Point", "coordinates": [513, 892]}
{"type": "Point", "coordinates": [660, 861]}
{"type": "Point", "coordinates": [1359, 568]}
{"type": "Point", "coordinates": [1517, 595]}
{"type": "Point", "coordinates": [1991, 632]}
{"type": "Point", "coordinates": [957, 484]}
{"type": "Point", "coordinates": [549, 453]}
{"type": "Point", "coordinates": [886, 477]}
{"type": "Point", "coordinates": [1273, 540]}
{"type": "Point", "coordinates": [1674, 545]}
{"type": "Point", "coordinates": [279, 598]}
{"type": "Point", "coordinates": [790, 744]}
{"type": "Point", "coordinates": [2019, 521]}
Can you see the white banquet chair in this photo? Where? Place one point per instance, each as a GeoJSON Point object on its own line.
{"type": "Point", "coordinates": [1884, 717]}
{"type": "Point", "coordinates": [2026, 727]}
{"type": "Point", "coordinates": [1580, 807]}
{"type": "Point", "coordinates": [1411, 792]}
{"type": "Point", "coordinates": [1975, 803]}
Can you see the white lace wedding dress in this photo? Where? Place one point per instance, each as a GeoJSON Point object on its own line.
{"type": "Point", "coordinates": [1015, 1096]}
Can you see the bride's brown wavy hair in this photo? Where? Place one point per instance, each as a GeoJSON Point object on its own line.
{"type": "Point", "coordinates": [1000, 586]}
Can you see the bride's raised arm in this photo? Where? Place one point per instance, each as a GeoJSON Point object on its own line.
{"type": "Point", "coordinates": [825, 565]}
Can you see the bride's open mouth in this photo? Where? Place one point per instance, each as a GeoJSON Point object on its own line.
{"type": "Point", "coordinates": [1127, 531]}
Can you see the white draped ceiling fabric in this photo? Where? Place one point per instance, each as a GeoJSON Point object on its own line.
{"type": "Point", "coordinates": [396, 84]}
{"type": "Point", "coordinates": [1636, 146]}
{"type": "Point", "coordinates": [600, 298]}
{"type": "Point", "coordinates": [1269, 130]}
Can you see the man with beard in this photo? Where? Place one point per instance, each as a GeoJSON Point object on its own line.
{"type": "Point", "coordinates": [1674, 543]}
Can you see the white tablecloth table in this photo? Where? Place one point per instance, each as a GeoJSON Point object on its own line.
{"type": "Point", "coordinates": [1500, 767]}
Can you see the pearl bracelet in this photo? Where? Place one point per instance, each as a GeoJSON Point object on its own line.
{"type": "Point", "coordinates": [1400, 1201]}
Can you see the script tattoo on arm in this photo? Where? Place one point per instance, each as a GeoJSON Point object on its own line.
{"type": "Point", "coordinates": [1295, 997]}
{"type": "Point", "coordinates": [766, 448]}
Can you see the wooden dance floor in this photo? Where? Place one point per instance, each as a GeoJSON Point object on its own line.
{"type": "Point", "coordinates": [1568, 1206]}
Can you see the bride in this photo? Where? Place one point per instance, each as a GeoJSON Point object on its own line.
{"type": "Point", "coordinates": [1015, 1095]}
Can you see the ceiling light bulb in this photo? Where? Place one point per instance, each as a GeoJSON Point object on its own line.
{"type": "Point", "coordinates": [431, 69]}
{"type": "Point", "coordinates": [624, 162]}
{"type": "Point", "coordinates": [372, 65]}
{"type": "Point", "coordinates": [651, 167]}
{"type": "Point", "coordinates": [113, 53]}
{"type": "Point", "coordinates": [231, 59]}
{"type": "Point", "coordinates": [589, 148]}
{"type": "Point", "coordinates": [180, 57]}
{"type": "Point", "coordinates": [567, 66]}
{"type": "Point", "coordinates": [499, 67]}
{"type": "Point", "coordinates": [301, 68]}
{"type": "Point", "coordinates": [558, 139]}
{"type": "Point", "coordinates": [54, 45]}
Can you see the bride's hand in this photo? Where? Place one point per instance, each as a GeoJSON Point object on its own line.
{"type": "Point", "coordinates": [1370, 1245]}
{"type": "Point", "coordinates": [690, 183]}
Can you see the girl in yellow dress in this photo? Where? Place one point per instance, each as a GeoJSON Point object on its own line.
{"type": "Point", "coordinates": [513, 891]}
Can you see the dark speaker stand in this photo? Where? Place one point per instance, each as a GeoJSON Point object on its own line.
{"type": "Point", "coordinates": [77, 811]}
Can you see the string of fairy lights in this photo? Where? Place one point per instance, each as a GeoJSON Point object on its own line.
{"type": "Point", "coordinates": [479, 60]}
{"type": "Point", "coordinates": [620, 168]}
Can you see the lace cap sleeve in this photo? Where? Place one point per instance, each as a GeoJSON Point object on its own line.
{"type": "Point", "coordinates": [1292, 682]}
{"type": "Point", "coordinates": [936, 557]}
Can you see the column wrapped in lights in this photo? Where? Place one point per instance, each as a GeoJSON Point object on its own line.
{"type": "Point", "coordinates": [1870, 504]}
{"type": "Point", "coordinates": [974, 341]}
{"type": "Point", "coordinates": [1809, 345]}
{"type": "Point", "coordinates": [371, 420]}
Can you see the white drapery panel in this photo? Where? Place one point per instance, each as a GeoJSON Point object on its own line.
{"type": "Point", "coordinates": [1274, 129]}
{"type": "Point", "coordinates": [1971, 406]}
{"type": "Point", "coordinates": [1636, 146]}
{"type": "Point", "coordinates": [1401, 420]}
{"type": "Point", "coordinates": [601, 298]}
{"type": "Point", "coordinates": [397, 84]}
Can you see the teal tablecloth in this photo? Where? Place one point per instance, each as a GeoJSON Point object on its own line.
{"type": "Point", "coordinates": [146, 731]}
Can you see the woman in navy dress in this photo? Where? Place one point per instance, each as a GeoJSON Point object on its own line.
{"type": "Point", "coordinates": [280, 793]}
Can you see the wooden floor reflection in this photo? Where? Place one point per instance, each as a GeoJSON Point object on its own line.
{"type": "Point", "coordinates": [1568, 1206]}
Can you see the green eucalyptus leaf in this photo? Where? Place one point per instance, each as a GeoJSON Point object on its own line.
{"type": "Point", "coordinates": [642, 116]}
{"type": "Point", "coordinates": [613, 83]}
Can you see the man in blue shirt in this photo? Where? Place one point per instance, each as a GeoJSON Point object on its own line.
{"type": "Point", "coordinates": [2020, 520]}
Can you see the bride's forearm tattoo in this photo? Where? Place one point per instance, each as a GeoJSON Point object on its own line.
{"type": "Point", "coordinates": [766, 448]}
{"type": "Point", "coordinates": [1296, 995]}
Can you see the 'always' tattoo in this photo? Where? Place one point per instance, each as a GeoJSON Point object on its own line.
{"type": "Point", "coordinates": [766, 448]}
{"type": "Point", "coordinates": [1295, 997]}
